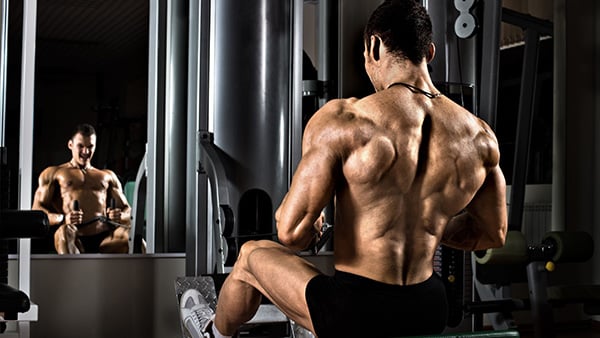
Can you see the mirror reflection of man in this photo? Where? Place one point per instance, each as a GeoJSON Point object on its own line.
{"type": "Point", "coordinates": [86, 205]}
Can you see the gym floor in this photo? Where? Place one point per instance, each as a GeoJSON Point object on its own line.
{"type": "Point", "coordinates": [588, 329]}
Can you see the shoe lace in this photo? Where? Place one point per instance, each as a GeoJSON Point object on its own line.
{"type": "Point", "coordinates": [201, 316]}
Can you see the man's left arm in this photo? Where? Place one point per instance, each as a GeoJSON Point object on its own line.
{"type": "Point", "coordinates": [121, 213]}
{"type": "Point", "coordinates": [483, 225]}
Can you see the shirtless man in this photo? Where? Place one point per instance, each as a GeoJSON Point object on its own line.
{"type": "Point", "coordinates": [409, 169]}
{"type": "Point", "coordinates": [75, 195]}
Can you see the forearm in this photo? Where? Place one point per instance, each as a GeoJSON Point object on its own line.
{"type": "Point", "coordinates": [126, 216]}
{"type": "Point", "coordinates": [296, 223]}
{"type": "Point", "coordinates": [463, 233]}
{"type": "Point", "coordinates": [54, 218]}
{"type": "Point", "coordinates": [298, 239]}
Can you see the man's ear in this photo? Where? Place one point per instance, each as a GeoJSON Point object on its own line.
{"type": "Point", "coordinates": [70, 144]}
{"type": "Point", "coordinates": [375, 45]}
{"type": "Point", "coordinates": [430, 52]}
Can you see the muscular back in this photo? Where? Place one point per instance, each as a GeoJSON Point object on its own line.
{"type": "Point", "coordinates": [406, 165]}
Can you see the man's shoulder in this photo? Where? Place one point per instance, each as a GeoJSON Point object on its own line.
{"type": "Point", "coordinates": [106, 173]}
{"type": "Point", "coordinates": [339, 104]}
{"type": "Point", "coordinates": [340, 110]}
{"type": "Point", "coordinates": [51, 170]}
{"type": "Point", "coordinates": [50, 173]}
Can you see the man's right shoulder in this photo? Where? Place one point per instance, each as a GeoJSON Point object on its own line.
{"type": "Point", "coordinates": [337, 108]}
{"type": "Point", "coordinates": [334, 125]}
{"type": "Point", "coordinates": [50, 172]}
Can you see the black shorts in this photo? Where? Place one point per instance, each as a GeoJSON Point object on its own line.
{"type": "Point", "coordinates": [91, 244]}
{"type": "Point", "coordinates": [348, 305]}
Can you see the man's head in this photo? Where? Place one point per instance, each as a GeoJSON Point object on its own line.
{"type": "Point", "coordinates": [404, 27]}
{"type": "Point", "coordinates": [82, 144]}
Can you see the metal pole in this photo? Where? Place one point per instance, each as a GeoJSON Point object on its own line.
{"type": "Point", "coordinates": [26, 141]}
{"type": "Point", "coordinates": [254, 129]}
{"type": "Point", "coordinates": [175, 127]}
{"type": "Point", "coordinates": [524, 123]}
{"type": "Point", "coordinates": [3, 53]}
{"type": "Point", "coordinates": [490, 42]}
{"type": "Point", "coordinates": [541, 310]}
{"type": "Point", "coordinates": [559, 118]}
{"type": "Point", "coordinates": [596, 231]}
{"type": "Point", "coordinates": [155, 174]}
{"type": "Point", "coordinates": [295, 141]}
{"type": "Point", "coordinates": [198, 250]}
{"type": "Point", "coordinates": [323, 47]}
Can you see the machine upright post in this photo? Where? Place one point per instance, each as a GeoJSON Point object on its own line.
{"type": "Point", "coordinates": [200, 253]}
{"type": "Point", "coordinates": [541, 310]}
{"type": "Point", "coordinates": [490, 54]}
{"type": "Point", "coordinates": [3, 57]}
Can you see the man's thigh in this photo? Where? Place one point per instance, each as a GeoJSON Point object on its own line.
{"type": "Point", "coordinates": [282, 276]}
{"type": "Point", "coordinates": [116, 241]}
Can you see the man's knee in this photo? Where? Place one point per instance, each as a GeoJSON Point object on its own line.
{"type": "Point", "coordinates": [246, 250]}
{"type": "Point", "coordinates": [249, 249]}
{"type": "Point", "coordinates": [64, 233]}
{"type": "Point", "coordinates": [66, 241]}
{"type": "Point", "coordinates": [121, 236]}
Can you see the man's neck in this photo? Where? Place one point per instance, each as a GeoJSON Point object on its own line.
{"type": "Point", "coordinates": [409, 73]}
{"type": "Point", "coordinates": [83, 167]}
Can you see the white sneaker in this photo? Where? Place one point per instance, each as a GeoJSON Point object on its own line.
{"type": "Point", "coordinates": [195, 313]}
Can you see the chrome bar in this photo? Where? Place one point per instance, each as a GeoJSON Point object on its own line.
{"type": "Point", "coordinates": [174, 197]}
{"type": "Point", "coordinates": [295, 140]}
{"type": "Point", "coordinates": [154, 132]}
{"type": "Point", "coordinates": [200, 254]}
{"type": "Point", "coordinates": [3, 57]}
{"type": "Point", "coordinates": [26, 142]}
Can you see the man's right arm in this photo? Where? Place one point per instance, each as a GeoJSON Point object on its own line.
{"type": "Point", "coordinates": [298, 217]}
{"type": "Point", "coordinates": [483, 224]}
{"type": "Point", "coordinates": [44, 195]}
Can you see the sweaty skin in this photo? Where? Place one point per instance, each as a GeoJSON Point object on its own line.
{"type": "Point", "coordinates": [407, 172]}
{"type": "Point", "coordinates": [403, 166]}
{"type": "Point", "coordinates": [76, 180]}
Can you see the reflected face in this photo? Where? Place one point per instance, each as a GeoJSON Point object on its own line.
{"type": "Point", "coordinates": [82, 149]}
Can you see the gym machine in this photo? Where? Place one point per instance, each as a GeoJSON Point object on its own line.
{"type": "Point", "coordinates": [495, 270]}
{"type": "Point", "coordinates": [19, 224]}
{"type": "Point", "coordinates": [16, 224]}
{"type": "Point", "coordinates": [538, 261]}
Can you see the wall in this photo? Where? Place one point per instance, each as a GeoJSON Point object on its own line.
{"type": "Point", "coordinates": [581, 115]}
{"type": "Point", "coordinates": [117, 296]}
{"type": "Point", "coordinates": [98, 296]}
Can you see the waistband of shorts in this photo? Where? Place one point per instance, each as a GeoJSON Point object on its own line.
{"type": "Point", "coordinates": [354, 279]}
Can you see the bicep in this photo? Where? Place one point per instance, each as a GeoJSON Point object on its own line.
{"type": "Point", "coordinates": [45, 190]}
{"type": "Point", "coordinates": [116, 191]}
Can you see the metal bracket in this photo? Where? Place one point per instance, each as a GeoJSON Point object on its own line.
{"type": "Point", "coordinates": [211, 164]}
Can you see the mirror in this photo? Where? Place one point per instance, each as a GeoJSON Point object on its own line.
{"type": "Point", "coordinates": [92, 67]}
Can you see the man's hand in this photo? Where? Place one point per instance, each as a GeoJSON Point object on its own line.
{"type": "Point", "coordinates": [114, 214]}
{"type": "Point", "coordinates": [74, 217]}
{"type": "Point", "coordinates": [318, 231]}
{"type": "Point", "coordinates": [318, 228]}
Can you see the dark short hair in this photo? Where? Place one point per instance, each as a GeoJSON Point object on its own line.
{"type": "Point", "coordinates": [84, 129]}
{"type": "Point", "coordinates": [404, 27]}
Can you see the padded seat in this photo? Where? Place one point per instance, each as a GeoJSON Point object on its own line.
{"type": "Point", "coordinates": [18, 224]}
{"type": "Point", "coordinates": [13, 300]}
{"type": "Point", "coordinates": [23, 224]}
